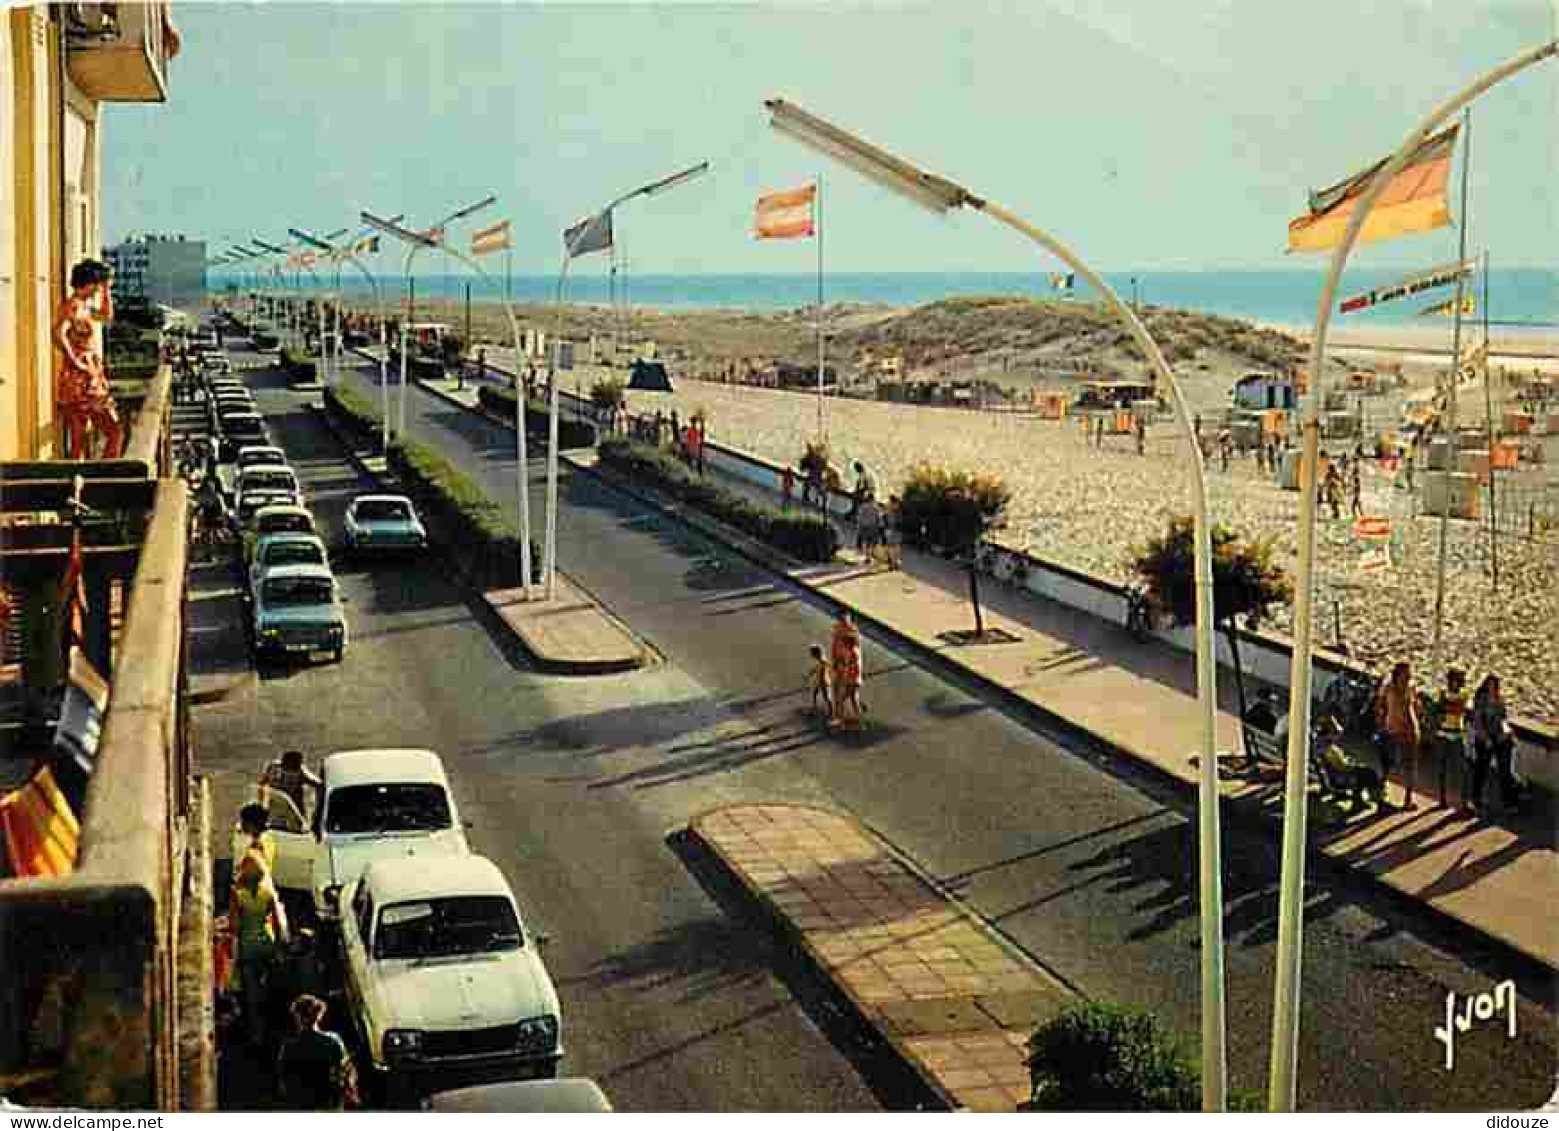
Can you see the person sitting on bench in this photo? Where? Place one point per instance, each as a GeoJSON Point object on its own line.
{"type": "Point", "coordinates": [1362, 784]}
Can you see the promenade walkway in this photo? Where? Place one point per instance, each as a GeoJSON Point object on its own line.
{"type": "Point", "coordinates": [1497, 879]}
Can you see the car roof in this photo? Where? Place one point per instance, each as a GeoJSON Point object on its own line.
{"type": "Point", "coordinates": [282, 508]}
{"type": "Point", "coordinates": [381, 499]}
{"type": "Point", "coordinates": [362, 767]}
{"type": "Point", "coordinates": [265, 470]}
{"type": "Point", "coordinates": [269, 449]}
{"type": "Point", "coordinates": [300, 570]}
{"type": "Point", "coordinates": [573, 1094]}
{"type": "Point", "coordinates": [277, 537]}
{"type": "Point", "coordinates": [396, 879]}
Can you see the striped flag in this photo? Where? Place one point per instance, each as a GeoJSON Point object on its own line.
{"type": "Point", "coordinates": [495, 238]}
{"type": "Point", "coordinates": [73, 599]}
{"type": "Point", "coordinates": [1414, 201]}
{"type": "Point", "coordinates": [785, 215]}
{"type": "Point", "coordinates": [593, 233]}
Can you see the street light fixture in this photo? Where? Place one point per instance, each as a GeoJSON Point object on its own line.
{"type": "Point", "coordinates": [938, 194]}
{"type": "Point", "coordinates": [417, 241]}
{"type": "Point", "coordinates": [588, 227]}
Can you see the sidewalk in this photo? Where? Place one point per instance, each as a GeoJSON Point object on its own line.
{"type": "Point", "coordinates": [944, 989]}
{"type": "Point", "coordinates": [1140, 700]}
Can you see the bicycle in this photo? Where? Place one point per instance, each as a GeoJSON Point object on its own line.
{"type": "Point", "coordinates": [1139, 612]}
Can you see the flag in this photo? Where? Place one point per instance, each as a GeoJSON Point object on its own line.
{"type": "Point", "coordinates": [73, 599]}
{"type": "Point", "coordinates": [785, 215]}
{"type": "Point", "coordinates": [495, 238]}
{"type": "Point", "coordinates": [1062, 282]}
{"type": "Point", "coordinates": [1448, 307]}
{"type": "Point", "coordinates": [1439, 277]}
{"type": "Point", "coordinates": [1414, 201]}
{"type": "Point", "coordinates": [594, 233]}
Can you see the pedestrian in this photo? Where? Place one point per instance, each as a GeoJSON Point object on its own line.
{"type": "Point", "coordinates": [1356, 487]}
{"type": "Point", "coordinates": [892, 534]}
{"type": "Point", "coordinates": [865, 488]}
{"type": "Point", "coordinates": [481, 363]}
{"type": "Point", "coordinates": [255, 823]}
{"type": "Point", "coordinates": [820, 680]}
{"type": "Point", "coordinates": [703, 436]}
{"type": "Point", "coordinates": [289, 775]}
{"type": "Point", "coordinates": [1331, 489]}
{"type": "Point", "coordinates": [868, 527]}
{"type": "Point", "coordinates": [1492, 741]}
{"type": "Point", "coordinates": [787, 487]}
{"type": "Point", "coordinates": [1225, 443]}
{"type": "Point", "coordinates": [314, 1070]}
{"type": "Point", "coordinates": [1396, 721]}
{"type": "Point", "coordinates": [1140, 427]}
{"type": "Point", "coordinates": [676, 432]}
{"type": "Point", "coordinates": [82, 392]}
{"type": "Point", "coordinates": [1451, 731]}
{"type": "Point", "coordinates": [845, 653]}
{"type": "Point", "coordinates": [259, 925]}
{"type": "Point", "coordinates": [1098, 431]}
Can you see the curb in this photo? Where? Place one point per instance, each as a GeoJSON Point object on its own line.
{"type": "Point", "coordinates": [552, 665]}
{"type": "Point", "coordinates": [1247, 811]}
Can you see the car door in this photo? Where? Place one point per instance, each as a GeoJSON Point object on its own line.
{"type": "Point", "coordinates": [356, 936]}
{"type": "Point", "coordinates": [294, 842]}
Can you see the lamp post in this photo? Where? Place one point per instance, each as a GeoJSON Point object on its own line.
{"type": "Point", "coordinates": [318, 243]}
{"type": "Point", "coordinates": [521, 456]}
{"type": "Point", "coordinates": [939, 195]}
{"type": "Point", "coordinates": [281, 251]}
{"type": "Point", "coordinates": [581, 231]}
{"type": "Point", "coordinates": [1285, 1015]}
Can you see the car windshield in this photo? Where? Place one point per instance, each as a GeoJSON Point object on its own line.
{"type": "Point", "coordinates": [255, 459]}
{"type": "Point", "coordinates": [284, 523]}
{"type": "Point", "coordinates": [294, 553]}
{"type": "Point", "coordinates": [444, 928]}
{"type": "Point", "coordinates": [387, 808]}
{"type": "Point", "coordinates": [243, 426]}
{"type": "Point", "coordinates": [382, 510]}
{"type": "Point", "coordinates": [298, 591]}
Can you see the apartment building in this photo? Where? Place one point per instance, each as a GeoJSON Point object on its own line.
{"type": "Point", "coordinates": [165, 269]}
{"type": "Point", "coordinates": [58, 64]}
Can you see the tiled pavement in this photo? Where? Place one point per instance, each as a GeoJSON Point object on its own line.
{"type": "Point", "coordinates": [947, 991]}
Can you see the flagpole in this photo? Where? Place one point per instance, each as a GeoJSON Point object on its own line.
{"type": "Point", "coordinates": [1449, 419]}
{"type": "Point", "coordinates": [822, 430]}
{"type": "Point", "coordinates": [1488, 418]}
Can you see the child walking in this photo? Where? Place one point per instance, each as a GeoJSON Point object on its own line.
{"type": "Point", "coordinates": [820, 679]}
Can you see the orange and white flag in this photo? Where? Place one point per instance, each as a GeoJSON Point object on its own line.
{"type": "Point", "coordinates": [785, 215]}
{"type": "Point", "coordinates": [495, 238]}
{"type": "Point", "coordinates": [1413, 201]}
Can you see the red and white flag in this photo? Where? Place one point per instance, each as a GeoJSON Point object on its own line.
{"type": "Point", "coordinates": [785, 215]}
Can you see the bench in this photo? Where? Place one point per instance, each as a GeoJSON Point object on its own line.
{"type": "Point", "coordinates": [1266, 749]}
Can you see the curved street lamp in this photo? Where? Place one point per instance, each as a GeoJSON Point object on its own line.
{"type": "Point", "coordinates": [939, 195]}
{"type": "Point", "coordinates": [1285, 1015]}
{"type": "Point", "coordinates": [587, 227]}
{"type": "Point", "coordinates": [418, 240]}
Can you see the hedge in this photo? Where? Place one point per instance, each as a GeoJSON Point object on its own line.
{"type": "Point", "coordinates": [802, 535]}
{"type": "Point", "coordinates": [571, 433]}
{"type": "Point", "coordinates": [459, 509]}
{"type": "Point", "coordinates": [299, 369]}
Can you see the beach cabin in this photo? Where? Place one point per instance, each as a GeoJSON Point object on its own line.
{"type": "Point", "coordinates": [1257, 391]}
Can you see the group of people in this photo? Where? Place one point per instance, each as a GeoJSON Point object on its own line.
{"type": "Point", "coordinates": [835, 679]}
{"type": "Point", "coordinates": [1474, 735]}
{"type": "Point", "coordinates": [271, 964]}
{"type": "Point", "coordinates": [1344, 475]}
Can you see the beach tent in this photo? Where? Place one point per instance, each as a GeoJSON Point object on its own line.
{"type": "Point", "coordinates": [649, 376]}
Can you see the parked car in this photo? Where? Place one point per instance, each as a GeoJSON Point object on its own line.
{"type": "Point", "coordinates": [240, 430]}
{"type": "Point", "coordinates": [283, 549]}
{"type": "Point", "coordinates": [297, 610]}
{"type": "Point", "coordinates": [379, 804]}
{"type": "Point", "coordinates": [254, 455]}
{"type": "Point", "coordinates": [444, 982]}
{"type": "Point", "coordinates": [275, 519]}
{"type": "Point", "coordinates": [251, 503]}
{"type": "Point", "coordinates": [384, 522]}
{"type": "Point", "coordinates": [571, 1095]}
{"type": "Point", "coordinates": [269, 477]}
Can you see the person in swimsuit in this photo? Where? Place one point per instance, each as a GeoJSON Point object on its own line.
{"type": "Point", "coordinates": [85, 402]}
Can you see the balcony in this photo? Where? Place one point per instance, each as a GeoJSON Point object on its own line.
{"type": "Point", "coordinates": [120, 52]}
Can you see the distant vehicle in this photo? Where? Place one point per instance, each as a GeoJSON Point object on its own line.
{"type": "Point", "coordinates": [378, 804]}
{"type": "Point", "coordinates": [251, 503]}
{"type": "Point", "coordinates": [286, 548]}
{"type": "Point", "coordinates": [570, 1095]}
{"type": "Point", "coordinates": [269, 477]}
{"type": "Point", "coordinates": [255, 455]}
{"type": "Point", "coordinates": [239, 430]}
{"type": "Point", "coordinates": [384, 522]}
{"type": "Point", "coordinates": [444, 981]}
{"type": "Point", "coordinates": [1114, 394]}
{"type": "Point", "coordinates": [297, 609]}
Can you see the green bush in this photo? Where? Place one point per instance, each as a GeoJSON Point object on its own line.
{"type": "Point", "coordinates": [1100, 1057]}
{"type": "Point", "coordinates": [950, 509]}
{"type": "Point", "coordinates": [299, 368]}
{"type": "Point", "coordinates": [571, 433]}
{"type": "Point", "coordinates": [608, 393]}
{"type": "Point", "coordinates": [804, 536]}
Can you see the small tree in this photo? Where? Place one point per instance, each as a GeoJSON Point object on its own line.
{"type": "Point", "coordinates": [814, 455]}
{"type": "Point", "coordinates": [1247, 581]}
{"type": "Point", "coordinates": [1100, 1057]}
{"type": "Point", "coordinates": [954, 510]}
{"type": "Point", "coordinates": [608, 393]}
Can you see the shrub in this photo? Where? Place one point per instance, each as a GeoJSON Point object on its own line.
{"type": "Point", "coordinates": [1101, 1057]}
{"type": "Point", "coordinates": [814, 455]}
{"type": "Point", "coordinates": [801, 535]}
{"type": "Point", "coordinates": [571, 433]}
{"type": "Point", "coordinates": [950, 509]}
{"type": "Point", "coordinates": [608, 393]}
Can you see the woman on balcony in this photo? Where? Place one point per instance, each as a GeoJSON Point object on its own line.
{"type": "Point", "coordinates": [82, 393]}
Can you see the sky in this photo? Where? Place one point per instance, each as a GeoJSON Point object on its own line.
{"type": "Point", "coordinates": [1145, 134]}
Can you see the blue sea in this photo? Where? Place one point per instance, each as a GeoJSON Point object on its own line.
{"type": "Point", "coordinates": [1517, 297]}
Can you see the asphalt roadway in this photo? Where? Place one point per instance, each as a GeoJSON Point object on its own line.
{"type": "Point", "coordinates": [672, 998]}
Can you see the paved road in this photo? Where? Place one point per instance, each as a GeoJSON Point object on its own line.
{"type": "Point", "coordinates": [1086, 868]}
{"type": "Point", "coordinates": [667, 1000]}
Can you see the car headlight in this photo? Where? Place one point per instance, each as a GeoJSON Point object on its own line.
{"type": "Point", "coordinates": [538, 1034]}
{"type": "Point", "coordinates": [270, 633]}
{"type": "Point", "coordinates": [402, 1044]}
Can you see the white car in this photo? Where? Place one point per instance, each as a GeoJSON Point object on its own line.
{"type": "Point", "coordinates": [284, 548]}
{"type": "Point", "coordinates": [384, 522]}
{"type": "Point", "coordinates": [256, 455]}
{"type": "Point", "coordinates": [379, 804]}
{"type": "Point", "coordinates": [442, 978]}
{"type": "Point", "coordinates": [269, 477]}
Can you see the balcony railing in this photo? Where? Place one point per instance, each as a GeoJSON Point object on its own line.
{"type": "Point", "coordinates": [120, 52]}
